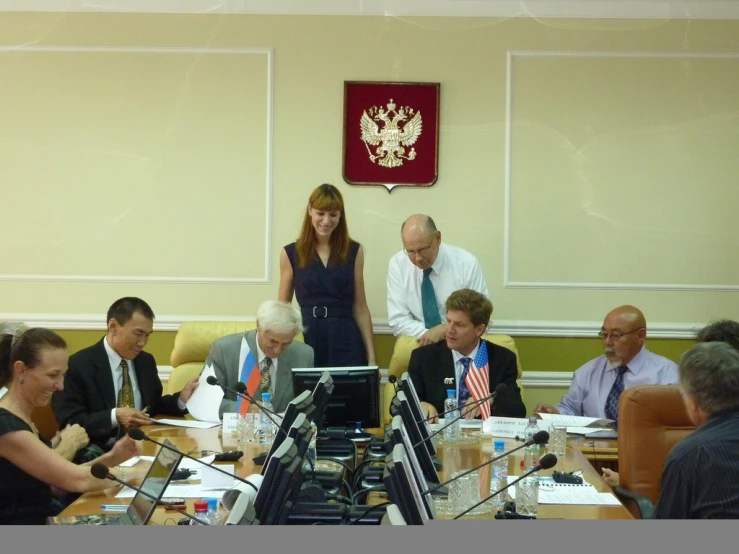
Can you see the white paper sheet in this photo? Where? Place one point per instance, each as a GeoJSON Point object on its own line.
{"type": "Point", "coordinates": [186, 423]}
{"type": "Point", "coordinates": [575, 421]}
{"type": "Point", "coordinates": [178, 491]}
{"type": "Point", "coordinates": [187, 463]}
{"type": "Point", "coordinates": [215, 480]}
{"type": "Point", "coordinates": [206, 399]}
{"type": "Point", "coordinates": [556, 493]}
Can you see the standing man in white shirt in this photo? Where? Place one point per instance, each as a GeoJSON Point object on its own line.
{"type": "Point", "coordinates": [422, 276]}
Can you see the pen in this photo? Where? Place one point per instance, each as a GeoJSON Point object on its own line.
{"type": "Point", "coordinates": [114, 507]}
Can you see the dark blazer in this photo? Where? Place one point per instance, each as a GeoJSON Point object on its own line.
{"type": "Point", "coordinates": [89, 393]}
{"type": "Point", "coordinates": [433, 363]}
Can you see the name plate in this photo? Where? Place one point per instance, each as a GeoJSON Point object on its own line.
{"type": "Point", "coordinates": [230, 421]}
{"type": "Point", "coordinates": [508, 427]}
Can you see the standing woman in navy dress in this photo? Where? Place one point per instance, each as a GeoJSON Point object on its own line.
{"type": "Point", "coordinates": [325, 270]}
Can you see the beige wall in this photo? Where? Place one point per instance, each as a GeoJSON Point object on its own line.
{"type": "Point", "coordinates": [144, 171]}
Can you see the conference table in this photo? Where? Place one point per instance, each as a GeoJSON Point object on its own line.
{"type": "Point", "coordinates": [454, 458]}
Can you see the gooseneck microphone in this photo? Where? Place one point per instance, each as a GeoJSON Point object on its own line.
{"type": "Point", "coordinates": [392, 380]}
{"type": "Point", "coordinates": [136, 433]}
{"type": "Point", "coordinates": [460, 416]}
{"type": "Point", "coordinates": [101, 471]}
{"type": "Point", "coordinates": [547, 461]}
{"type": "Point", "coordinates": [500, 390]}
{"type": "Point", "coordinates": [541, 437]}
{"type": "Point", "coordinates": [241, 391]}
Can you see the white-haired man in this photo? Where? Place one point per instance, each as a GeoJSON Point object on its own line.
{"type": "Point", "coordinates": [262, 358]}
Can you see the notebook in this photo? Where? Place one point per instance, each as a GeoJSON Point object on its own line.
{"type": "Point", "coordinates": [567, 493]}
{"type": "Point", "coordinates": [141, 508]}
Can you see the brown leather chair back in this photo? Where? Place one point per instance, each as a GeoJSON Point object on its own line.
{"type": "Point", "coordinates": [651, 420]}
{"type": "Point", "coordinates": [45, 421]}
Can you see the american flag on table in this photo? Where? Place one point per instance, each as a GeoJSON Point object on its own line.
{"type": "Point", "coordinates": [478, 379]}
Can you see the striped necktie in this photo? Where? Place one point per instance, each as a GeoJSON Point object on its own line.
{"type": "Point", "coordinates": [611, 408]}
{"type": "Point", "coordinates": [464, 392]}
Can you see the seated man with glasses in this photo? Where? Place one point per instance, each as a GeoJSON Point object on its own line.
{"type": "Point", "coordinates": [625, 363]}
{"type": "Point", "coordinates": [421, 277]}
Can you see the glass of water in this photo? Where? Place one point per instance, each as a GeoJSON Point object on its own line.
{"type": "Point", "coordinates": [246, 427]}
{"type": "Point", "coordinates": [464, 492]}
{"type": "Point", "coordinates": [527, 496]}
{"type": "Point", "coordinates": [558, 441]}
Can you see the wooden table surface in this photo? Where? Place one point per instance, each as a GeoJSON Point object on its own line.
{"type": "Point", "coordinates": [454, 458]}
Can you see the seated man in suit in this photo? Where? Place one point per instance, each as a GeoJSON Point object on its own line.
{"type": "Point", "coordinates": [433, 366]}
{"type": "Point", "coordinates": [422, 276]}
{"type": "Point", "coordinates": [625, 363]}
{"type": "Point", "coordinates": [114, 385]}
{"type": "Point", "coordinates": [701, 475]}
{"type": "Point", "coordinates": [262, 358]}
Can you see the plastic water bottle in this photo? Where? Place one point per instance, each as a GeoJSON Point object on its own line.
{"type": "Point", "coordinates": [499, 475]}
{"type": "Point", "coordinates": [531, 455]}
{"type": "Point", "coordinates": [214, 518]}
{"type": "Point", "coordinates": [201, 512]}
{"type": "Point", "coordinates": [309, 463]}
{"type": "Point", "coordinates": [267, 428]}
{"type": "Point", "coordinates": [452, 432]}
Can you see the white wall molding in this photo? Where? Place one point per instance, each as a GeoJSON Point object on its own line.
{"type": "Point", "coordinates": [266, 279]}
{"type": "Point", "coordinates": [645, 9]}
{"type": "Point", "coordinates": [508, 185]}
{"type": "Point", "coordinates": [588, 329]}
{"type": "Point", "coordinates": [546, 379]}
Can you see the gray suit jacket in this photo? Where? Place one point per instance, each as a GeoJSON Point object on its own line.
{"type": "Point", "coordinates": [224, 357]}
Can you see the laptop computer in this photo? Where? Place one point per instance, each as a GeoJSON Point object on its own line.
{"type": "Point", "coordinates": [141, 509]}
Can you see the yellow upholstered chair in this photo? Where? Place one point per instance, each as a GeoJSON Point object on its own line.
{"type": "Point", "coordinates": [402, 356]}
{"type": "Point", "coordinates": [192, 345]}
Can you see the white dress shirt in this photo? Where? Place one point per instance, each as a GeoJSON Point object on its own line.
{"type": "Point", "coordinates": [452, 270]}
{"type": "Point", "coordinates": [459, 367]}
{"type": "Point", "coordinates": [3, 390]}
{"type": "Point", "coordinates": [117, 371]}
{"type": "Point", "coordinates": [261, 357]}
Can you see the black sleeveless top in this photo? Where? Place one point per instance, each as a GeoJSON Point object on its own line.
{"type": "Point", "coordinates": [24, 500]}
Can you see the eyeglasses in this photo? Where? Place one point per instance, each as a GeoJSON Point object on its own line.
{"type": "Point", "coordinates": [616, 336]}
{"type": "Point", "coordinates": [419, 252]}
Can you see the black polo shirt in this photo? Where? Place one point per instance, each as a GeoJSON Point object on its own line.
{"type": "Point", "coordinates": [701, 477]}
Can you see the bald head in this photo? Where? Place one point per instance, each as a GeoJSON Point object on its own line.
{"type": "Point", "coordinates": [625, 330]}
{"type": "Point", "coordinates": [421, 240]}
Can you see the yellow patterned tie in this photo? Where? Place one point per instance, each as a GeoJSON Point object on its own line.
{"type": "Point", "coordinates": [125, 395]}
{"type": "Point", "coordinates": [266, 378]}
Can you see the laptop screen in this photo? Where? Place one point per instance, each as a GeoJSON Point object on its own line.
{"type": "Point", "coordinates": [156, 481]}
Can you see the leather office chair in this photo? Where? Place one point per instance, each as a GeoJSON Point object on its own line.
{"type": "Point", "coordinates": [651, 420]}
{"type": "Point", "coordinates": [401, 357]}
{"type": "Point", "coordinates": [192, 345]}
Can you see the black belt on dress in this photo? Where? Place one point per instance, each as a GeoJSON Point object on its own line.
{"type": "Point", "coordinates": [327, 311]}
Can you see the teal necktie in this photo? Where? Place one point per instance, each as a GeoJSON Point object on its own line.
{"type": "Point", "coordinates": [431, 316]}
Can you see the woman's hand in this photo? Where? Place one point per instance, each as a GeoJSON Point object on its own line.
{"type": "Point", "coordinates": [125, 449]}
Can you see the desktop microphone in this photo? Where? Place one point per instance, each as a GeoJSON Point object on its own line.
{"type": "Point", "coordinates": [500, 390]}
{"type": "Point", "coordinates": [541, 437]}
{"type": "Point", "coordinates": [392, 380]}
{"type": "Point", "coordinates": [100, 471]}
{"type": "Point", "coordinates": [547, 461]}
{"type": "Point", "coordinates": [459, 417]}
{"type": "Point", "coordinates": [242, 512]}
{"type": "Point", "coordinates": [136, 433]}
{"type": "Point", "coordinates": [232, 495]}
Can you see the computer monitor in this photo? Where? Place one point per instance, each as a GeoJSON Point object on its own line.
{"type": "Point", "coordinates": [398, 435]}
{"type": "Point", "coordinates": [280, 471]}
{"type": "Point", "coordinates": [405, 384]}
{"type": "Point", "coordinates": [401, 487]}
{"type": "Point", "coordinates": [158, 477]}
{"type": "Point", "coordinates": [301, 433]}
{"type": "Point", "coordinates": [321, 395]}
{"type": "Point", "coordinates": [355, 398]}
{"type": "Point", "coordinates": [301, 404]}
{"type": "Point", "coordinates": [400, 406]}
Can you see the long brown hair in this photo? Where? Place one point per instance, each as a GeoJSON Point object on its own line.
{"type": "Point", "coordinates": [324, 198]}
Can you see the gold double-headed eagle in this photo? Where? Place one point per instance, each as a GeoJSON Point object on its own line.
{"type": "Point", "coordinates": [401, 128]}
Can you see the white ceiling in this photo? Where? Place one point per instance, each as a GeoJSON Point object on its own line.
{"type": "Point", "coordinates": [660, 9]}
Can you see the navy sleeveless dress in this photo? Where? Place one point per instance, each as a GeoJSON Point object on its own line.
{"type": "Point", "coordinates": [326, 297]}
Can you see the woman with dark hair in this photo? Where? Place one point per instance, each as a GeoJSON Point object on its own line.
{"type": "Point", "coordinates": [325, 270]}
{"type": "Point", "coordinates": [32, 367]}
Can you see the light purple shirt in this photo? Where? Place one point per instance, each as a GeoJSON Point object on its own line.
{"type": "Point", "coordinates": [593, 381]}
